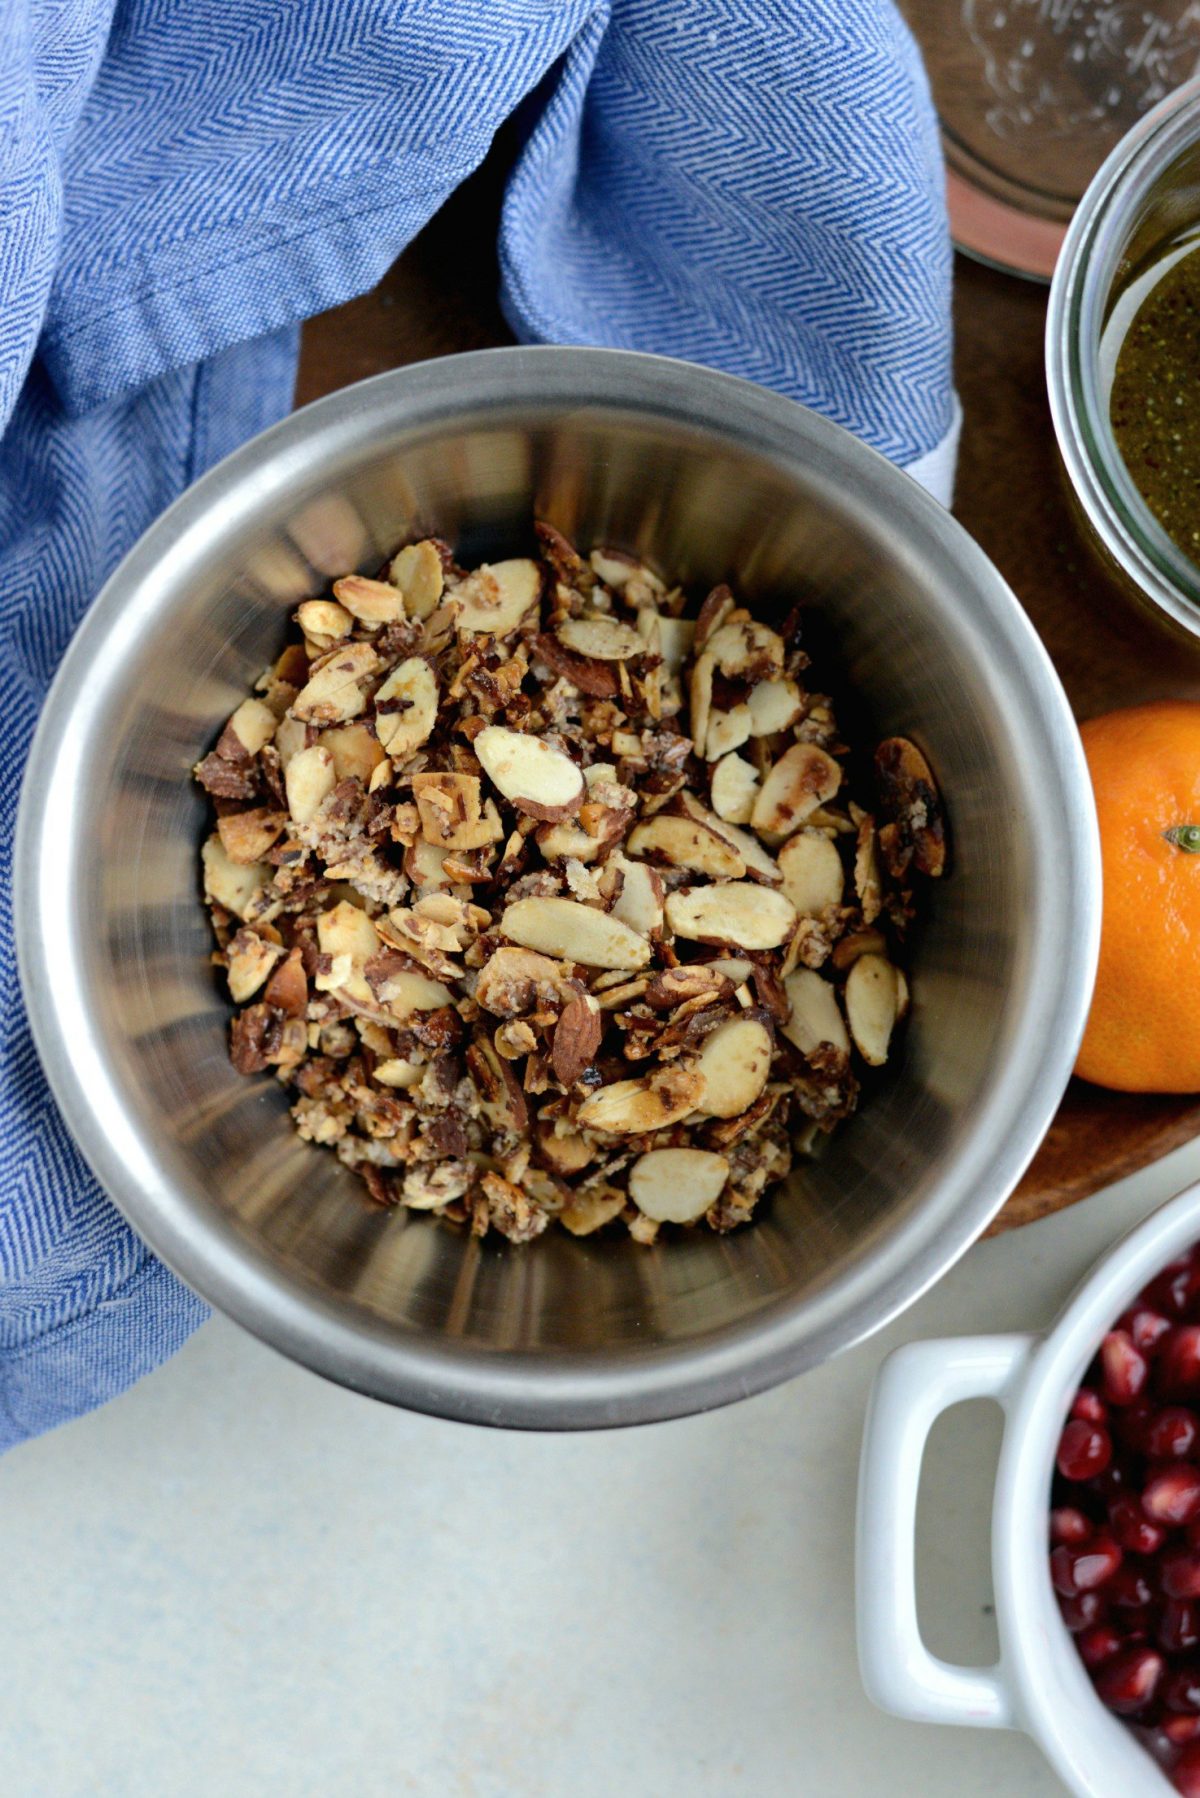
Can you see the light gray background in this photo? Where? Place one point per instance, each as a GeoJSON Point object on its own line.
{"type": "Point", "coordinates": [239, 1580]}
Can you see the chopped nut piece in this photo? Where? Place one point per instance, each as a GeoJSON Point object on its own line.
{"type": "Point", "coordinates": [513, 981]}
{"type": "Point", "coordinates": [355, 749]}
{"type": "Point", "coordinates": [700, 699]}
{"type": "Point", "coordinates": [745, 649]}
{"type": "Point", "coordinates": [915, 830]}
{"type": "Point", "coordinates": [726, 732]}
{"type": "Point", "coordinates": [589, 1211]}
{"type": "Point", "coordinates": [252, 726]}
{"type": "Point", "coordinates": [250, 960]}
{"type": "Point", "coordinates": [538, 779]}
{"type": "Point", "coordinates": [495, 599]}
{"type": "Point", "coordinates": [640, 900]}
{"type": "Point", "coordinates": [739, 913]}
{"type": "Point", "coordinates": [676, 1186]}
{"type": "Point", "coordinates": [574, 932]}
{"type": "Point", "coordinates": [228, 883]}
{"type": "Point", "coordinates": [246, 836]}
{"type": "Point", "coordinates": [310, 778]}
{"type": "Point", "coordinates": [872, 1003]}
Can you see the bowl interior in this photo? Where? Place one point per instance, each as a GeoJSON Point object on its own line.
{"type": "Point", "coordinates": [710, 480]}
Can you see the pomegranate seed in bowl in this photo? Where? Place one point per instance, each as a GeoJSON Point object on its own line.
{"type": "Point", "coordinates": [1124, 1368]}
{"type": "Point", "coordinates": [1084, 1450]}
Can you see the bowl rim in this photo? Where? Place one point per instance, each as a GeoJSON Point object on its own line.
{"type": "Point", "coordinates": [512, 1389]}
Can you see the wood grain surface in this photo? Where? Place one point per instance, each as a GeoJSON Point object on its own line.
{"type": "Point", "coordinates": [440, 297]}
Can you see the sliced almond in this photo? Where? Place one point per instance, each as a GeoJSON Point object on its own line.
{"type": "Point", "coordinates": [345, 933]}
{"type": "Point", "coordinates": [309, 779]}
{"type": "Point", "coordinates": [417, 571]}
{"type": "Point", "coordinates": [732, 967]}
{"type": "Point", "coordinates": [503, 1102]}
{"type": "Point", "coordinates": [564, 1149]}
{"type": "Point", "coordinates": [424, 865]}
{"type": "Point", "coordinates": [872, 1005]}
{"type": "Point", "coordinates": [247, 836]}
{"type": "Point", "coordinates": [406, 707]}
{"type": "Point", "coordinates": [451, 809]}
{"type": "Point", "coordinates": [803, 778]}
{"type": "Point", "coordinates": [812, 872]}
{"type": "Point", "coordinates": [726, 731]}
{"type": "Point", "coordinates": [616, 570]}
{"type": "Point", "coordinates": [640, 901]}
{"type": "Point", "coordinates": [815, 1017]}
{"type": "Point", "coordinates": [396, 1071]}
{"type": "Point", "coordinates": [574, 932]}
{"type": "Point", "coordinates": [686, 844]}
{"type": "Point", "coordinates": [373, 603]}
{"type": "Point", "coordinates": [740, 913]}
{"type": "Point", "coordinates": [759, 865]}
{"type": "Point", "coordinates": [253, 724]}
{"type": "Point", "coordinates": [713, 613]}
{"type": "Point", "coordinates": [557, 842]}
{"type": "Point", "coordinates": [700, 681]}
{"type": "Point", "coordinates": [324, 622]}
{"type": "Point", "coordinates": [774, 705]}
{"type": "Point", "coordinates": [355, 749]}
{"type": "Point", "coordinates": [576, 1038]}
{"type": "Point", "coordinates": [534, 776]}
{"type": "Point", "coordinates": [497, 596]}
{"type": "Point", "coordinates": [735, 1061]}
{"type": "Point", "coordinates": [588, 1211]}
{"type": "Point", "coordinates": [249, 960]}
{"type": "Point", "coordinates": [336, 691]}
{"type": "Point", "coordinates": [745, 649]}
{"type": "Point", "coordinates": [228, 883]}
{"type": "Point", "coordinates": [916, 830]}
{"type": "Point", "coordinates": [867, 880]}
{"type": "Point", "coordinates": [677, 1186]}
{"type": "Point", "coordinates": [628, 1107]}
{"type": "Point", "coordinates": [513, 981]}
{"type": "Point", "coordinates": [600, 639]}
{"type": "Point", "coordinates": [675, 639]}
{"type": "Point", "coordinates": [734, 787]}
{"type": "Point", "coordinates": [291, 735]}
{"type": "Point", "coordinates": [406, 992]}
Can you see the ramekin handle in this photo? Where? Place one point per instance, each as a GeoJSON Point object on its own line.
{"type": "Point", "coordinates": [913, 1387]}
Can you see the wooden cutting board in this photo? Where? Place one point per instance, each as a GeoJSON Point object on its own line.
{"type": "Point", "coordinates": [440, 297]}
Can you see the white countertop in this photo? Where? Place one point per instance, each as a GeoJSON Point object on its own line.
{"type": "Point", "coordinates": [237, 1580]}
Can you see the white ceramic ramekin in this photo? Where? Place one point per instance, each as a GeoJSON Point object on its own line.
{"type": "Point", "coordinates": [1039, 1684]}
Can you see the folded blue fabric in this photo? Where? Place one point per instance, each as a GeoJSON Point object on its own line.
{"type": "Point", "coordinates": [754, 184]}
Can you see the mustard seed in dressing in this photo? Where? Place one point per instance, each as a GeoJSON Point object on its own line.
{"type": "Point", "coordinates": [1155, 404]}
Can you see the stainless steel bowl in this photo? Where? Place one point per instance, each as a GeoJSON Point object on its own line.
{"type": "Point", "coordinates": [713, 478]}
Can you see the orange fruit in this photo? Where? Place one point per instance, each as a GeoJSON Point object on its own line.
{"type": "Point", "coordinates": [1143, 1033]}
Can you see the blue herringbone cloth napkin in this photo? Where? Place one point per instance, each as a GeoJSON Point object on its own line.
{"type": "Point", "coordinates": [754, 184]}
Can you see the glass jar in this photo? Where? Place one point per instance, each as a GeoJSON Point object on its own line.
{"type": "Point", "coordinates": [1140, 214]}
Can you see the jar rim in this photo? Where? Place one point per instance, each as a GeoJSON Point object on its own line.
{"type": "Point", "coordinates": [1079, 296]}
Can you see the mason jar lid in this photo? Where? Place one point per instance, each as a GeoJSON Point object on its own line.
{"type": "Point", "coordinates": [1032, 95]}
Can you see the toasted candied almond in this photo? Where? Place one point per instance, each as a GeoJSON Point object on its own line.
{"type": "Point", "coordinates": [628, 1107]}
{"type": "Point", "coordinates": [537, 778]}
{"type": "Point", "coordinates": [346, 934]}
{"type": "Point", "coordinates": [249, 960]}
{"type": "Point", "coordinates": [812, 872]}
{"type": "Point", "coordinates": [562, 1148]}
{"type": "Point", "coordinates": [336, 691]}
{"type": "Point", "coordinates": [675, 639]}
{"type": "Point", "coordinates": [734, 786]}
{"type": "Point", "coordinates": [503, 1102]}
{"type": "Point", "coordinates": [515, 980]}
{"type": "Point", "coordinates": [253, 724]}
{"type": "Point", "coordinates": [676, 1186]}
{"type": "Point", "coordinates": [497, 596]}
{"type": "Point", "coordinates": [872, 1004]}
{"type": "Point", "coordinates": [586, 1212]}
{"type": "Point", "coordinates": [558, 841]}
{"type": "Point", "coordinates": [405, 992]}
{"type": "Point", "coordinates": [910, 799]}
{"type": "Point", "coordinates": [248, 835]}
{"type": "Point", "coordinates": [640, 901]}
{"type": "Point", "coordinates": [574, 932]}
{"type": "Point", "coordinates": [860, 942]}
{"type": "Point", "coordinates": [774, 705]}
{"type": "Point", "coordinates": [803, 778]}
{"type": "Point", "coordinates": [324, 622]}
{"type": "Point", "coordinates": [291, 735]}
{"type": "Point", "coordinates": [733, 968]}
{"type": "Point", "coordinates": [867, 882]}
{"type": "Point", "coordinates": [713, 613]}
{"type": "Point", "coordinates": [740, 913]}
{"type": "Point", "coordinates": [600, 639]}
{"type": "Point", "coordinates": [685, 844]}
{"type": "Point", "coordinates": [450, 808]}
{"type": "Point", "coordinates": [745, 649]}
{"type": "Point", "coordinates": [355, 749]}
{"type": "Point", "coordinates": [396, 1071]}
{"type": "Point", "coordinates": [228, 883]}
{"type": "Point", "coordinates": [406, 707]}
{"type": "Point", "coordinates": [373, 603]}
{"type": "Point", "coordinates": [815, 1017]}
{"type": "Point", "coordinates": [759, 865]}
{"type": "Point", "coordinates": [576, 1038]}
{"type": "Point", "coordinates": [700, 680]}
{"type": "Point", "coordinates": [735, 1060]}
{"type": "Point", "coordinates": [428, 1188]}
{"type": "Point", "coordinates": [309, 779]}
{"type": "Point", "coordinates": [616, 570]}
{"type": "Point", "coordinates": [424, 863]}
{"type": "Point", "coordinates": [726, 731]}
{"type": "Point", "coordinates": [417, 571]}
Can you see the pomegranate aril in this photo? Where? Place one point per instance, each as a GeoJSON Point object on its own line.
{"type": "Point", "coordinates": [1089, 1406]}
{"type": "Point", "coordinates": [1180, 1729]}
{"type": "Point", "coordinates": [1128, 1587]}
{"type": "Point", "coordinates": [1127, 1683]}
{"type": "Point", "coordinates": [1146, 1327]}
{"type": "Point", "coordinates": [1125, 1368]}
{"type": "Point", "coordinates": [1182, 1691]}
{"type": "Point", "coordinates": [1178, 1362]}
{"type": "Point", "coordinates": [1098, 1643]}
{"type": "Point", "coordinates": [1083, 1610]}
{"type": "Point", "coordinates": [1084, 1450]}
{"type": "Point", "coordinates": [1169, 1433]}
{"type": "Point", "coordinates": [1069, 1525]}
{"type": "Point", "coordinates": [1171, 1494]}
{"type": "Point", "coordinates": [1133, 1529]}
{"type": "Point", "coordinates": [1179, 1625]}
{"type": "Point", "coordinates": [1095, 1563]}
{"type": "Point", "coordinates": [1179, 1573]}
{"type": "Point", "coordinates": [1185, 1775]}
{"type": "Point", "coordinates": [1169, 1292]}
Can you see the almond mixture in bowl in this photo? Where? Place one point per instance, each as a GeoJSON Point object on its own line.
{"type": "Point", "coordinates": [548, 901]}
